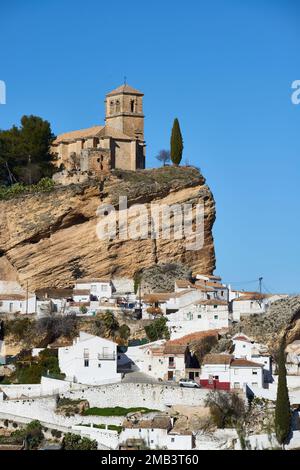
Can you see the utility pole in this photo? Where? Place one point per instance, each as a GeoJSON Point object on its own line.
{"type": "Point", "coordinates": [26, 297]}
{"type": "Point", "coordinates": [260, 284]}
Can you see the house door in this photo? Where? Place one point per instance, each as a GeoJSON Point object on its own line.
{"type": "Point", "coordinates": [191, 375]}
{"type": "Point", "coordinates": [170, 375]}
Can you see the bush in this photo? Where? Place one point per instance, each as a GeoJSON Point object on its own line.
{"type": "Point", "coordinates": [75, 442]}
{"type": "Point", "coordinates": [32, 434]}
{"type": "Point", "coordinates": [226, 409]}
{"type": "Point", "coordinates": [124, 332]}
{"type": "Point", "coordinates": [8, 192]}
{"type": "Point", "coordinates": [157, 329]}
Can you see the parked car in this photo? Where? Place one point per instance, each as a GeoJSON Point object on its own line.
{"type": "Point", "coordinates": [188, 383]}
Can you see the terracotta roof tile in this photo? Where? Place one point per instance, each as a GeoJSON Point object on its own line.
{"type": "Point", "coordinates": [217, 359]}
{"type": "Point", "coordinates": [79, 134]}
{"type": "Point", "coordinates": [126, 90]}
{"type": "Point", "coordinates": [244, 363]}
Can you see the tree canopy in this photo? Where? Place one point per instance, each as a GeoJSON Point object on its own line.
{"type": "Point", "coordinates": [176, 143]}
{"type": "Point", "coordinates": [282, 409]}
{"type": "Point", "coordinates": [25, 151]}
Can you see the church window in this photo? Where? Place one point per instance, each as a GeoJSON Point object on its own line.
{"type": "Point", "coordinates": [132, 106]}
{"type": "Point", "coordinates": [117, 106]}
{"type": "Point", "coordinates": [112, 103]}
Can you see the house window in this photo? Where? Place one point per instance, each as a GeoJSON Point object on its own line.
{"type": "Point", "coordinates": [86, 363]}
{"type": "Point", "coordinates": [93, 286]}
{"type": "Point", "coordinates": [172, 439]}
{"type": "Point", "coordinates": [236, 372]}
{"type": "Point", "coordinates": [216, 377]}
{"type": "Point", "coordinates": [11, 307]}
{"type": "Point", "coordinates": [244, 345]}
{"type": "Point", "coordinates": [99, 365]}
{"type": "Point", "coordinates": [215, 306]}
{"type": "Point", "coordinates": [104, 288]}
{"type": "Point", "coordinates": [149, 367]}
{"type": "Point", "coordinates": [199, 316]}
{"type": "Point", "coordinates": [222, 293]}
{"type": "Point", "coordinates": [216, 317]}
{"type": "Point", "coordinates": [152, 441]}
{"type": "Point", "coordinates": [254, 372]}
{"type": "Point", "coordinates": [236, 385]}
{"type": "Point", "coordinates": [255, 384]}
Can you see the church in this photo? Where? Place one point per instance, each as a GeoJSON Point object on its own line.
{"type": "Point", "coordinates": [95, 151]}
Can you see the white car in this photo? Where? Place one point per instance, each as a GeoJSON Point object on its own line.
{"type": "Point", "coordinates": [188, 383]}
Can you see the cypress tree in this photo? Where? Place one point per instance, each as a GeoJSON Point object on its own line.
{"type": "Point", "coordinates": [176, 143]}
{"type": "Point", "coordinates": [282, 410]}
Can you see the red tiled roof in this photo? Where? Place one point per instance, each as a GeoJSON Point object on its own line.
{"type": "Point", "coordinates": [244, 363]}
{"type": "Point", "coordinates": [217, 359]}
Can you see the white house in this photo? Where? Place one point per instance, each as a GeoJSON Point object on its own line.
{"type": "Point", "coordinates": [162, 360]}
{"type": "Point", "coordinates": [55, 299]}
{"type": "Point", "coordinates": [244, 348]}
{"type": "Point", "coordinates": [249, 303]}
{"type": "Point", "coordinates": [202, 315]}
{"type": "Point", "coordinates": [97, 289]}
{"type": "Point", "coordinates": [18, 303]}
{"type": "Point", "coordinates": [224, 372]}
{"type": "Point", "coordinates": [90, 360]}
{"type": "Point", "coordinates": [155, 433]}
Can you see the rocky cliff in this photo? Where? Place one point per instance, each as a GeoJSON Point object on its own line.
{"type": "Point", "coordinates": [49, 239]}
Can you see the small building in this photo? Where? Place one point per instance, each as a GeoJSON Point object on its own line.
{"type": "Point", "coordinates": [92, 289]}
{"type": "Point", "coordinates": [24, 303]}
{"type": "Point", "coordinates": [155, 433]}
{"type": "Point", "coordinates": [90, 360]}
{"type": "Point", "coordinates": [224, 372]}
{"type": "Point", "coordinates": [249, 303]}
{"type": "Point", "coordinates": [161, 360]}
{"type": "Point", "coordinates": [245, 348]}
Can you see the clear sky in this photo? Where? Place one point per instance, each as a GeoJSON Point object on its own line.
{"type": "Point", "coordinates": [223, 67]}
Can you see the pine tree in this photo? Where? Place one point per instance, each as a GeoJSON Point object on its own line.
{"type": "Point", "coordinates": [282, 410]}
{"type": "Point", "coordinates": [176, 143]}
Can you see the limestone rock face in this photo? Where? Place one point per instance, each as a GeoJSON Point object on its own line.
{"type": "Point", "coordinates": [50, 239]}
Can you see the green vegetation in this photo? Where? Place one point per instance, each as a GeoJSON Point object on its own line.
{"type": "Point", "coordinates": [110, 322]}
{"type": "Point", "coordinates": [83, 309]}
{"type": "Point", "coordinates": [115, 411]}
{"type": "Point", "coordinates": [176, 143]}
{"type": "Point", "coordinates": [110, 427]}
{"type": "Point", "coordinates": [124, 332]}
{"type": "Point", "coordinates": [157, 329]}
{"type": "Point", "coordinates": [8, 192]}
{"type": "Point", "coordinates": [29, 370]}
{"type": "Point", "coordinates": [31, 435]}
{"type": "Point", "coordinates": [75, 442]}
{"type": "Point", "coordinates": [25, 152]}
{"type": "Point", "coordinates": [282, 409]}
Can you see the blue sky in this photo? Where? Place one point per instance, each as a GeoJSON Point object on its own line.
{"type": "Point", "coordinates": [223, 67]}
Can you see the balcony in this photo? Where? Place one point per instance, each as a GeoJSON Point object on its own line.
{"type": "Point", "coordinates": [171, 365]}
{"type": "Point", "coordinates": [106, 357]}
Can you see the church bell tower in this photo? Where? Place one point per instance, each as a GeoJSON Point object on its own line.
{"type": "Point", "coordinates": [124, 111]}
